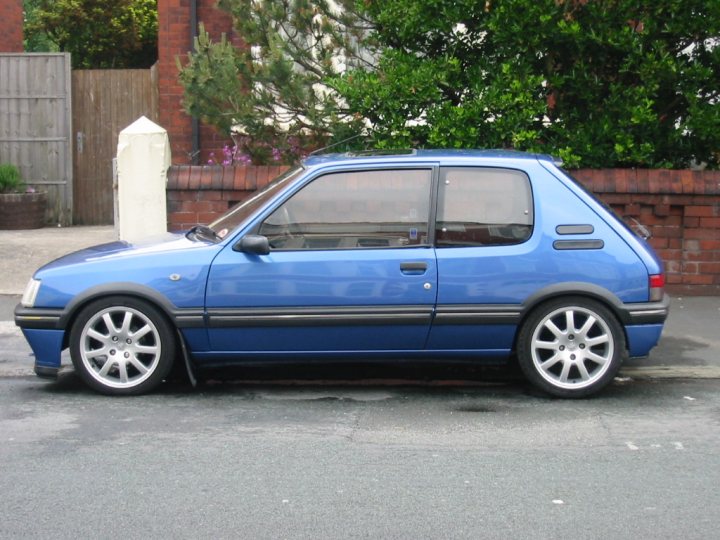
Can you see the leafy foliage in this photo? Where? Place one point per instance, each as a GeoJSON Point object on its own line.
{"type": "Point", "coordinates": [617, 83]}
{"type": "Point", "coordinates": [275, 91]}
{"type": "Point", "coordinates": [598, 83]}
{"type": "Point", "coordinates": [98, 33]}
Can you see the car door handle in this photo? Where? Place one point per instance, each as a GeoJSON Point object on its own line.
{"type": "Point", "coordinates": [413, 268]}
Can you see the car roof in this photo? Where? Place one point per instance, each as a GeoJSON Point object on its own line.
{"type": "Point", "coordinates": [400, 156]}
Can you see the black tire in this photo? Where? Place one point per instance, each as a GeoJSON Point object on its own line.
{"type": "Point", "coordinates": [571, 362]}
{"type": "Point", "coordinates": [122, 346]}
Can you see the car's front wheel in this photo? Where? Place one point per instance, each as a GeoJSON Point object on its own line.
{"type": "Point", "coordinates": [122, 345]}
{"type": "Point", "coordinates": [571, 347]}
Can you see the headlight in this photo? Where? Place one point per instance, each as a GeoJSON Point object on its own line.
{"type": "Point", "coordinates": [31, 291]}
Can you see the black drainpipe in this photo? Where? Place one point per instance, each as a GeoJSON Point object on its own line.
{"type": "Point", "coordinates": [194, 122]}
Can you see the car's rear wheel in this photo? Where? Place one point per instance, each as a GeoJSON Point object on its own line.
{"type": "Point", "coordinates": [122, 345]}
{"type": "Point", "coordinates": [571, 347]}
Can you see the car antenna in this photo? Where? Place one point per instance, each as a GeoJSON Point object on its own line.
{"type": "Point", "coordinates": [320, 150]}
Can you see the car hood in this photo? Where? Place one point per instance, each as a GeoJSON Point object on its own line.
{"type": "Point", "coordinates": [151, 245]}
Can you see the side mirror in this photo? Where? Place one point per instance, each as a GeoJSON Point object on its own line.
{"type": "Point", "coordinates": [253, 243]}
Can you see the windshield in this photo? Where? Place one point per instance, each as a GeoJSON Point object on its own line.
{"type": "Point", "coordinates": [244, 209]}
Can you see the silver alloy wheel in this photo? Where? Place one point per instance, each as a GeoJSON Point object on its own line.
{"type": "Point", "coordinates": [572, 347]}
{"type": "Point", "coordinates": [120, 347]}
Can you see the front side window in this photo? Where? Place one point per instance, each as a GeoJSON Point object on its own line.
{"type": "Point", "coordinates": [355, 209]}
{"type": "Point", "coordinates": [483, 207]}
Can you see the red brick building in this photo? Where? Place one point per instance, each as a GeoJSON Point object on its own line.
{"type": "Point", "coordinates": [11, 26]}
{"type": "Point", "coordinates": [177, 24]}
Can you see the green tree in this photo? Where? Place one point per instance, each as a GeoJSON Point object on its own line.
{"type": "Point", "coordinates": [98, 33]}
{"type": "Point", "coordinates": [600, 83]}
{"type": "Point", "coordinates": [274, 91]}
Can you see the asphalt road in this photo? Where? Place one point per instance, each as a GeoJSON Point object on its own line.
{"type": "Point", "coordinates": [364, 456]}
{"type": "Point", "coordinates": [258, 461]}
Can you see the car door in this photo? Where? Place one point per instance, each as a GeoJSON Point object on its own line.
{"type": "Point", "coordinates": [483, 235]}
{"type": "Point", "coordinates": [350, 268]}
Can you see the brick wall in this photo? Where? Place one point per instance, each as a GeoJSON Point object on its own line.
{"type": "Point", "coordinates": [682, 211]}
{"type": "Point", "coordinates": [200, 194]}
{"type": "Point", "coordinates": [174, 41]}
{"type": "Point", "coordinates": [11, 26]}
{"type": "Point", "coordinates": [680, 208]}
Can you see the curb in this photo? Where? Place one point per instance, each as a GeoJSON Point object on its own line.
{"type": "Point", "coordinates": [671, 372]}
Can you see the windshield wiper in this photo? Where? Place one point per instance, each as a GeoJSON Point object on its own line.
{"type": "Point", "coordinates": [638, 228]}
{"type": "Point", "coordinates": [204, 230]}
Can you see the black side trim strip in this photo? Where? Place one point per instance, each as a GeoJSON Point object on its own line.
{"type": "Point", "coordinates": [578, 244]}
{"type": "Point", "coordinates": [320, 316]}
{"type": "Point", "coordinates": [57, 319]}
{"type": "Point", "coordinates": [188, 318]}
{"type": "Point", "coordinates": [477, 314]}
{"type": "Point", "coordinates": [574, 229]}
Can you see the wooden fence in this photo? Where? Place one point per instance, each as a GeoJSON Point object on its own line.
{"type": "Point", "coordinates": [35, 125]}
{"type": "Point", "coordinates": [104, 103]}
{"type": "Point", "coordinates": [61, 129]}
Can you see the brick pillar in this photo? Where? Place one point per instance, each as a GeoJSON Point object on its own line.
{"type": "Point", "coordinates": [11, 26]}
{"type": "Point", "coordinates": [174, 41]}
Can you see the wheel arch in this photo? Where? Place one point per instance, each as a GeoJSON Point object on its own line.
{"type": "Point", "coordinates": [573, 289]}
{"type": "Point", "coordinates": [132, 290]}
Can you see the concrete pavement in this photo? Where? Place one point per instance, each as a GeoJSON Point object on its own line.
{"type": "Point", "coordinates": [23, 252]}
{"type": "Point", "coordinates": [690, 346]}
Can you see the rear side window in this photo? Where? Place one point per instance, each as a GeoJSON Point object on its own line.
{"type": "Point", "coordinates": [483, 207]}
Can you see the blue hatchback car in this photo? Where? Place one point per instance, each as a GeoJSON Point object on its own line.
{"type": "Point", "coordinates": [475, 255]}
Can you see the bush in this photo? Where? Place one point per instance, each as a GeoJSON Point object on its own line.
{"type": "Point", "coordinates": [629, 83]}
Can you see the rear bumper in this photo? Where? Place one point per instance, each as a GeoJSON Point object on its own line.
{"type": "Point", "coordinates": [642, 338]}
{"type": "Point", "coordinates": [646, 312]}
{"type": "Point", "coordinates": [644, 324]}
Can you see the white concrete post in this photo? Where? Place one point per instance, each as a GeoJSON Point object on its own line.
{"type": "Point", "coordinates": [143, 158]}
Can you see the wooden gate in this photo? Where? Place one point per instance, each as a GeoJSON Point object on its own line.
{"type": "Point", "coordinates": [35, 129]}
{"type": "Point", "coordinates": [105, 101]}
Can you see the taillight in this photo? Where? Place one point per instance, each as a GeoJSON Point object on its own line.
{"type": "Point", "coordinates": [657, 287]}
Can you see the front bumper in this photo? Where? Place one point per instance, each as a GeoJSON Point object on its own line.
{"type": "Point", "coordinates": [37, 318]}
{"type": "Point", "coordinates": [44, 332]}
